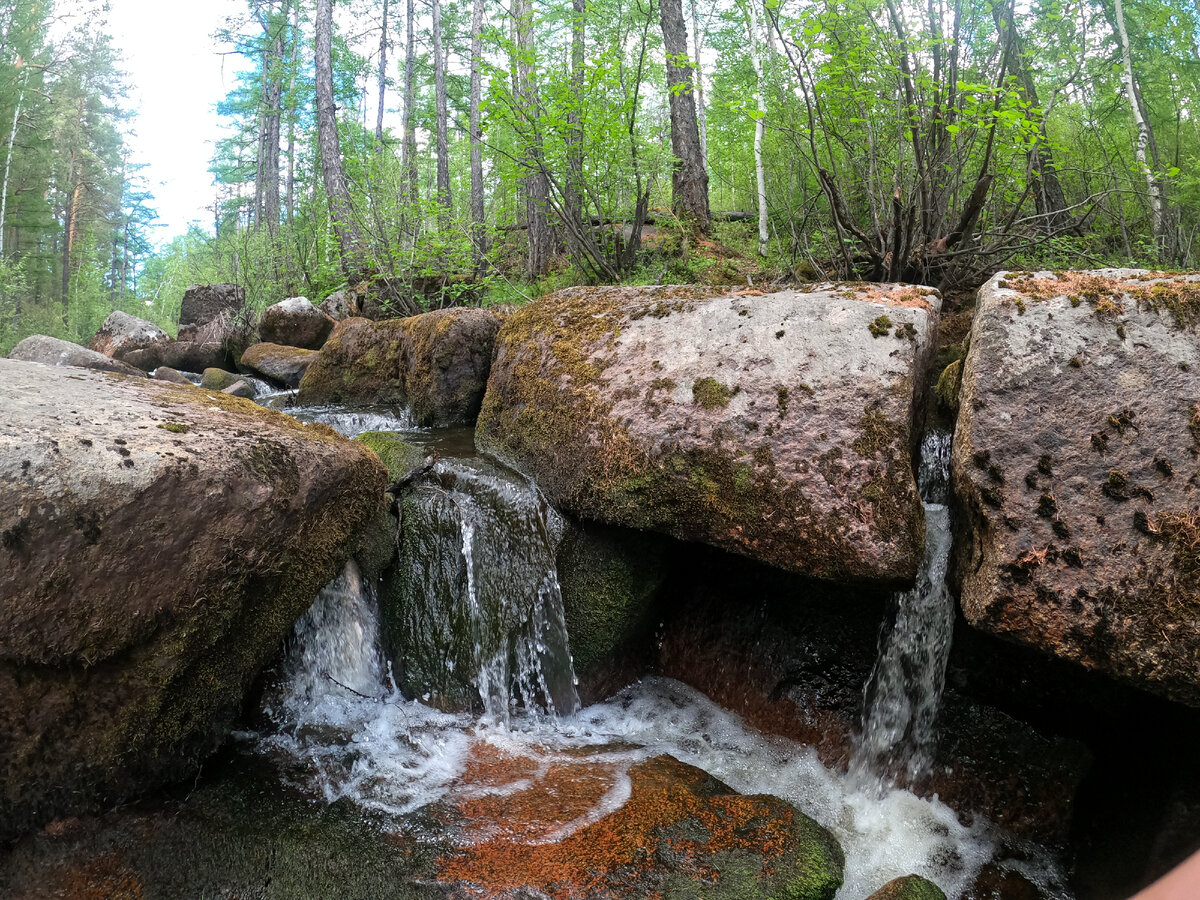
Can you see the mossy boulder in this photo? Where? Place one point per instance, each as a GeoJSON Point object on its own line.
{"type": "Point", "coordinates": [436, 364]}
{"type": "Point", "coordinates": [166, 373]}
{"type": "Point", "coordinates": [158, 542]}
{"type": "Point", "coordinates": [1077, 463]}
{"type": "Point", "coordinates": [51, 351]}
{"type": "Point", "coordinates": [399, 457]}
{"type": "Point", "coordinates": [218, 379]}
{"type": "Point", "coordinates": [278, 363]}
{"type": "Point", "coordinates": [611, 579]}
{"type": "Point", "coordinates": [776, 426]}
{"type": "Point", "coordinates": [910, 887]}
{"type": "Point", "coordinates": [681, 835]}
{"type": "Point", "coordinates": [295, 322]}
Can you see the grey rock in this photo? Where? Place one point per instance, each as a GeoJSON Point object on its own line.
{"type": "Point", "coordinates": [122, 333]}
{"type": "Point", "coordinates": [778, 426]}
{"type": "Point", "coordinates": [202, 303]}
{"type": "Point", "coordinates": [50, 351]}
{"type": "Point", "coordinates": [148, 533]}
{"type": "Point", "coordinates": [295, 323]}
{"type": "Point", "coordinates": [341, 305]}
{"type": "Point", "coordinates": [166, 373]}
{"type": "Point", "coordinates": [277, 363]}
{"type": "Point", "coordinates": [218, 379]}
{"type": "Point", "coordinates": [240, 388]}
{"type": "Point", "coordinates": [1075, 460]}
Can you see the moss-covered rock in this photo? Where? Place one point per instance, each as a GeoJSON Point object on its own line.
{"type": "Point", "coordinates": [399, 457]}
{"type": "Point", "coordinates": [910, 887]}
{"type": "Point", "coordinates": [436, 364]}
{"type": "Point", "coordinates": [218, 379]}
{"type": "Point", "coordinates": [1075, 453]}
{"type": "Point", "coordinates": [774, 426]}
{"type": "Point", "coordinates": [158, 542]}
{"type": "Point", "coordinates": [610, 579]}
{"type": "Point", "coordinates": [277, 363]}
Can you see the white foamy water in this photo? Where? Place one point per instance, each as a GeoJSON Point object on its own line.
{"type": "Point", "coordinates": [395, 756]}
{"type": "Point", "coordinates": [353, 422]}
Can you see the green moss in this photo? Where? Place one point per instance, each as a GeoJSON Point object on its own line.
{"type": "Point", "coordinates": [881, 327]}
{"type": "Point", "coordinates": [711, 394]}
{"type": "Point", "coordinates": [175, 427]}
{"type": "Point", "coordinates": [781, 395]}
{"type": "Point", "coordinates": [949, 384]}
{"type": "Point", "coordinates": [910, 887]}
{"type": "Point", "coordinates": [399, 457]}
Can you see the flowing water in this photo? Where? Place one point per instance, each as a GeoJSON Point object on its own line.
{"type": "Point", "coordinates": [480, 547]}
{"type": "Point", "coordinates": [902, 696]}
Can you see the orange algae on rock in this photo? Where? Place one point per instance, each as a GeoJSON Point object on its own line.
{"type": "Point", "coordinates": [678, 825]}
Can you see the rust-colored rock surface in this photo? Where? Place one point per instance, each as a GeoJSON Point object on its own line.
{"type": "Point", "coordinates": [553, 830]}
{"type": "Point", "coordinates": [156, 544]}
{"type": "Point", "coordinates": [1076, 462]}
{"type": "Point", "coordinates": [778, 426]}
{"type": "Point", "coordinates": [436, 364]}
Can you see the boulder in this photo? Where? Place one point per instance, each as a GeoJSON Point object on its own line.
{"type": "Point", "coordinates": [240, 388]}
{"type": "Point", "coordinates": [277, 363]}
{"type": "Point", "coordinates": [295, 323]}
{"type": "Point", "coordinates": [402, 459]}
{"type": "Point", "coordinates": [166, 373]}
{"type": "Point", "coordinates": [436, 364]}
{"type": "Point", "coordinates": [158, 543]}
{"type": "Point", "coordinates": [51, 351]}
{"type": "Point", "coordinates": [202, 303]}
{"type": "Point", "coordinates": [910, 887]}
{"type": "Point", "coordinates": [611, 579]}
{"type": "Point", "coordinates": [681, 833]}
{"type": "Point", "coordinates": [341, 305]}
{"type": "Point", "coordinates": [1076, 463]}
{"type": "Point", "coordinates": [186, 356]}
{"type": "Point", "coordinates": [122, 333]}
{"type": "Point", "coordinates": [217, 379]}
{"type": "Point", "coordinates": [778, 426]}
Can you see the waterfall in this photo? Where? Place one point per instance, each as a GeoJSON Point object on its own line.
{"type": "Point", "coordinates": [476, 605]}
{"type": "Point", "coordinates": [335, 646]}
{"type": "Point", "coordinates": [904, 691]}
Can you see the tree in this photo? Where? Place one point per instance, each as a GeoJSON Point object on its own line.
{"type": "Point", "coordinates": [341, 209]}
{"type": "Point", "coordinates": [689, 181]}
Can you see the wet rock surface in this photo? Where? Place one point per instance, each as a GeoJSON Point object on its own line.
{"type": "Point", "coordinates": [158, 542]}
{"type": "Point", "coordinates": [681, 833]}
{"type": "Point", "coordinates": [911, 887]}
{"type": "Point", "coordinates": [779, 426]}
{"type": "Point", "coordinates": [278, 363]}
{"type": "Point", "coordinates": [50, 351]}
{"type": "Point", "coordinates": [1076, 463]}
{"type": "Point", "coordinates": [436, 364]}
{"type": "Point", "coordinates": [295, 322]}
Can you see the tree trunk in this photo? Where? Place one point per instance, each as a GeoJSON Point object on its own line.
{"type": "Point", "coordinates": [340, 209]}
{"type": "Point", "coordinates": [274, 112]}
{"type": "Point", "coordinates": [760, 124]}
{"type": "Point", "coordinates": [1048, 194]}
{"type": "Point", "coordinates": [291, 147]}
{"type": "Point", "coordinates": [574, 193]}
{"type": "Point", "coordinates": [701, 112]}
{"type": "Point", "coordinates": [443, 143]}
{"type": "Point", "coordinates": [1158, 211]}
{"type": "Point", "coordinates": [408, 155]}
{"type": "Point", "coordinates": [477, 206]}
{"type": "Point", "coordinates": [537, 190]}
{"type": "Point", "coordinates": [383, 35]}
{"type": "Point", "coordinates": [689, 180]}
{"type": "Point", "coordinates": [12, 138]}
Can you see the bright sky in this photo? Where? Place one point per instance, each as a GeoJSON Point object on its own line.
{"type": "Point", "coordinates": [176, 79]}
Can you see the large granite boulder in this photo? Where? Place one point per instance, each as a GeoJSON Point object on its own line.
{"type": "Point", "coordinates": [157, 542]}
{"type": "Point", "coordinates": [122, 333]}
{"type": "Point", "coordinates": [436, 364]}
{"type": "Point", "coordinates": [778, 426]}
{"type": "Point", "coordinates": [295, 323]}
{"type": "Point", "coordinates": [51, 351]}
{"type": "Point", "coordinates": [278, 363]}
{"type": "Point", "coordinates": [341, 304]}
{"type": "Point", "coordinates": [202, 303]}
{"type": "Point", "coordinates": [1076, 463]}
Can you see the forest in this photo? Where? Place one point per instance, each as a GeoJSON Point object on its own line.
{"type": "Point", "coordinates": [481, 153]}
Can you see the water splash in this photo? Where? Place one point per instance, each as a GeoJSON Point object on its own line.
{"type": "Point", "coordinates": [347, 421]}
{"type": "Point", "coordinates": [904, 692]}
{"type": "Point", "coordinates": [475, 606]}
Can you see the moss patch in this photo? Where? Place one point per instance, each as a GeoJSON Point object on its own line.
{"type": "Point", "coordinates": [711, 394]}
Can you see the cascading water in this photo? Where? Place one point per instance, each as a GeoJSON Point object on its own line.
{"type": "Point", "coordinates": [902, 696]}
{"type": "Point", "coordinates": [477, 599]}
